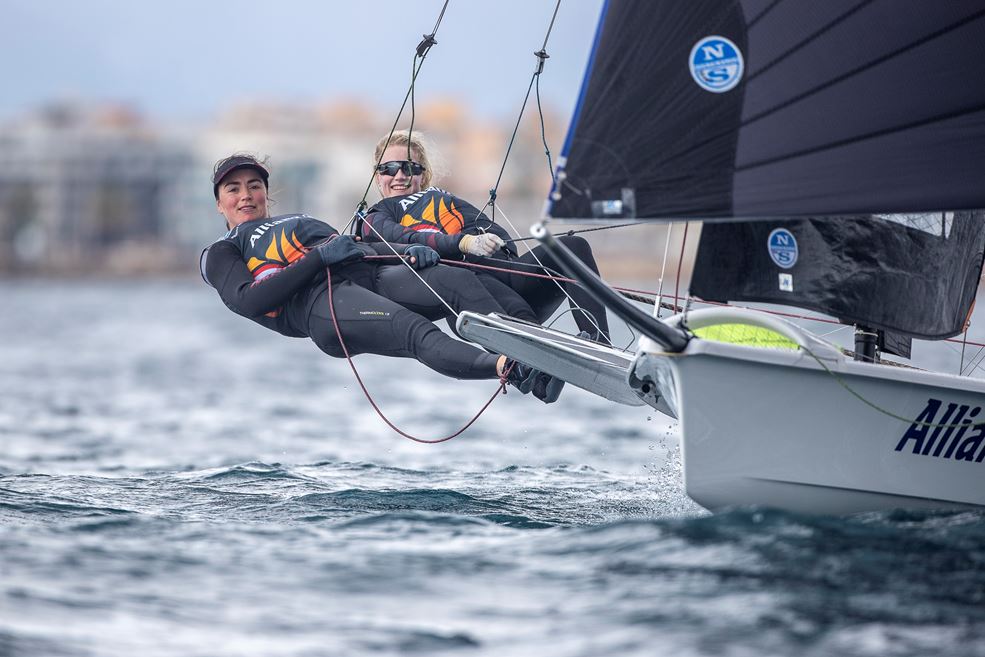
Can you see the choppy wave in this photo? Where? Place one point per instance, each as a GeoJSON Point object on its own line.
{"type": "Point", "coordinates": [205, 488]}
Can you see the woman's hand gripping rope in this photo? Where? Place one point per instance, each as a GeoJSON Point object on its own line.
{"type": "Point", "coordinates": [422, 256]}
{"type": "Point", "coordinates": [483, 245]}
{"type": "Point", "coordinates": [339, 249]}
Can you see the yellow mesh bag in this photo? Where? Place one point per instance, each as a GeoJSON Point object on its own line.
{"type": "Point", "coordinates": [743, 334]}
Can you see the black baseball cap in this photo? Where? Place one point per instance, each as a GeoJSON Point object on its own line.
{"type": "Point", "coordinates": [224, 167]}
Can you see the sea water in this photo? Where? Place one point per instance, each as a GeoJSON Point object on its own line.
{"type": "Point", "coordinates": [175, 480]}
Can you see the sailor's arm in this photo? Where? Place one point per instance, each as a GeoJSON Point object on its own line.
{"type": "Point", "coordinates": [223, 268]}
{"type": "Point", "coordinates": [380, 224]}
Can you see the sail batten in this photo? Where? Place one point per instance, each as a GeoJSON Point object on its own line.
{"type": "Point", "coordinates": [940, 119]}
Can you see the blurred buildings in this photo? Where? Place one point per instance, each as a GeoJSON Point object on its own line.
{"type": "Point", "coordinates": [102, 190]}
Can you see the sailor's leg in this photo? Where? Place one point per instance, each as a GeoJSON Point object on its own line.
{"type": "Point", "coordinates": [372, 324]}
{"type": "Point", "coordinates": [512, 302]}
{"type": "Point", "coordinates": [459, 287]}
{"type": "Point", "coordinates": [545, 296]}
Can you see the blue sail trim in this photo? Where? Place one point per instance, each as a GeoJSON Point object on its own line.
{"type": "Point", "coordinates": [578, 105]}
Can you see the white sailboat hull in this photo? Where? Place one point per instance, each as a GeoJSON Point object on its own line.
{"type": "Point", "coordinates": [774, 427]}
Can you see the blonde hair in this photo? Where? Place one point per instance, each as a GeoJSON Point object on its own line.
{"type": "Point", "coordinates": [417, 145]}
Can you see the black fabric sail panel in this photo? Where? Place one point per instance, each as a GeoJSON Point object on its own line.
{"type": "Point", "coordinates": [838, 107]}
{"type": "Point", "coordinates": [911, 274]}
{"type": "Point", "coordinates": [646, 140]}
{"type": "Point", "coordinates": [864, 107]}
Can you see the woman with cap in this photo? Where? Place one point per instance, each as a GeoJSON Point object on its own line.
{"type": "Point", "coordinates": [272, 270]}
{"type": "Point", "coordinates": [413, 211]}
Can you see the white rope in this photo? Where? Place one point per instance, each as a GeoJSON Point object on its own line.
{"type": "Point", "coordinates": [406, 263]}
{"type": "Point", "coordinates": [571, 301]}
{"type": "Point", "coordinates": [663, 270]}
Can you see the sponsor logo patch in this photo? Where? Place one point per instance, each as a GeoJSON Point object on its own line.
{"type": "Point", "coordinates": [782, 246]}
{"type": "Point", "coordinates": [716, 64]}
{"type": "Point", "coordinates": [946, 430]}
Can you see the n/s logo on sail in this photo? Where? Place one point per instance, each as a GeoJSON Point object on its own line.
{"type": "Point", "coordinates": [716, 64]}
{"type": "Point", "coordinates": [782, 246]}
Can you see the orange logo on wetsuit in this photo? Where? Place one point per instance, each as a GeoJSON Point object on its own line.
{"type": "Point", "coordinates": [281, 252]}
{"type": "Point", "coordinates": [447, 216]}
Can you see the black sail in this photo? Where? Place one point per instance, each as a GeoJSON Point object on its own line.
{"type": "Point", "coordinates": [854, 129]}
{"type": "Point", "coordinates": [842, 107]}
{"type": "Point", "coordinates": [909, 274]}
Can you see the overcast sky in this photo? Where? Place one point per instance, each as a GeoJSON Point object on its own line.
{"type": "Point", "coordinates": [189, 59]}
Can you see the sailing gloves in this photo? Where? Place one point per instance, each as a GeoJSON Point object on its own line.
{"type": "Point", "coordinates": [423, 256]}
{"type": "Point", "coordinates": [339, 250]}
{"type": "Point", "coordinates": [484, 244]}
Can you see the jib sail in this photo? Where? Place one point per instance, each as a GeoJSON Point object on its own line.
{"type": "Point", "coordinates": [909, 274]}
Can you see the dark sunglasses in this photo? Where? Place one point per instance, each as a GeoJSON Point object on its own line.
{"type": "Point", "coordinates": [391, 168]}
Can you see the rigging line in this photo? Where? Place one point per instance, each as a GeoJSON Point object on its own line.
{"type": "Point", "coordinates": [409, 266]}
{"type": "Point", "coordinates": [964, 343]}
{"type": "Point", "coordinates": [912, 422]}
{"type": "Point", "coordinates": [423, 48]}
{"type": "Point", "coordinates": [421, 52]}
{"type": "Point", "coordinates": [434, 30]}
{"type": "Point", "coordinates": [663, 270]}
{"type": "Point", "coordinates": [973, 365]}
{"type": "Point", "coordinates": [410, 130]}
{"type": "Point", "coordinates": [393, 128]}
{"type": "Point", "coordinates": [571, 301]}
{"type": "Point", "coordinates": [372, 402]}
{"type": "Point", "coordinates": [541, 58]}
{"type": "Point", "coordinates": [629, 293]}
{"type": "Point", "coordinates": [680, 263]}
{"type": "Point", "coordinates": [509, 147]}
{"type": "Point", "coordinates": [833, 331]}
{"type": "Point", "coordinates": [976, 363]}
{"type": "Point", "coordinates": [543, 136]}
{"type": "Point", "coordinates": [638, 295]}
{"type": "Point", "coordinates": [578, 232]}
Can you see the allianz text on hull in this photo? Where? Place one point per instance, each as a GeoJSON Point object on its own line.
{"type": "Point", "coordinates": [808, 430]}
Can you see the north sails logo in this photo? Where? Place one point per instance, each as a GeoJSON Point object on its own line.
{"type": "Point", "coordinates": [952, 436]}
{"type": "Point", "coordinates": [716, 64]}
{"type": "Point", "coordinates": [782, 247]}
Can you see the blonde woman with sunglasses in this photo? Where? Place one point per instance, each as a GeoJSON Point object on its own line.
{"type": "Point", "coordinates": [414, 211]}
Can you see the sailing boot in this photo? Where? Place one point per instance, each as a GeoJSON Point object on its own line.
{"type": "Point", "coordinates": [520, 376]}
{"type": "Point", "coordinates": [547, 388]}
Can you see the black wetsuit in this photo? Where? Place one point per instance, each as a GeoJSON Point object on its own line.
{"type": "Point", "coordinates": [438, 219]}
{"type": "Point", "coordinates": [262, 271]}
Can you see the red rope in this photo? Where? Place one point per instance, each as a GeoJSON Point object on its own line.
{"type": "Point", "coordinates": [677, 299]}
{"type": "Point", "coordinates": [369, 397]}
